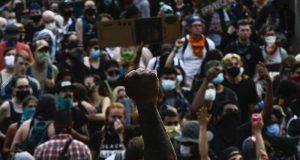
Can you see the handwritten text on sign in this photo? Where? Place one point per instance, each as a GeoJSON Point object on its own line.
{"type": "Point", "coordinates": [213, 5]}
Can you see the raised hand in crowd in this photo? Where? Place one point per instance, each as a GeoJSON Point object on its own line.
{"type": "Point", "coordinates": [142, 86]}
{"type": "Point", "coordinates": [257, 126]}
{"type": "Point", "coordinates": [203, 118]}
{"type": "Point", "coordinates": [199, 98]}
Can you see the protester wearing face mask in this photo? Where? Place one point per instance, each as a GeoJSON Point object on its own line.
{"type": "Point", "coordinates": [111, 137]}
{"type": "Point", "coordinates": [96, 58]}
{"type": "Point", "coordinates": [12, 40]}
{"type": "Point", "coordinates": [9, 59]}
{"type": "Point", "coordinates": [133, 57]}
{"type": "Point", "coordinates": [35, 13]}
{"type": "Point", "coordinates": [225, 124]}
{"type": "Point", "coordinates": [21, 64]}
{"type": "Point", "coordinates": [243, 86]}
{"type": "Point", "coordinates": [29, 107]}
{"type": "Point", "coordinates": [271, 52]}
{"type": "Point", "coordinates": [97, 98]}
{"type": "Point", "coordinates": [114, 74]}
{"type": "Point", "coordinates": [85, 25]}
{"type": "Point", "coordinates": [171, 96]}
{"type": "Point", "coordinates": [188, 141]}
{"type": "Point", "coordinates": [73, 64]}
{"type": "Point", "coordinates": [211, 92]}
{"type": "Point", "coordinates": [66, 10]}
{"type": "Point", "coordinates": [171, 122]}
{"type": "Point", "coordinates": [119, 95]}
{"type": "Point", "coordinates": [41, 69]}
{"type": "Point", "coordinates": [11, 110]}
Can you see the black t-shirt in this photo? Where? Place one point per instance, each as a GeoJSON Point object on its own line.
{"type": "Point", "coordinates": [111, 141]}
{"type": "Point", "coordinates": [226, 95]}
{"type": "Point", "coordinates": [250, 54]}
{"type": "Point", "coordinates": [235, 137]}
{"type": "Point", "coordinates": [246, 93]}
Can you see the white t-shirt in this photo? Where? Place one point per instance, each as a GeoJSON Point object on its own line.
{"type": "Point", "coordinates": [279, 55]}
{"type": "Point", "coordinates": [191, 62]}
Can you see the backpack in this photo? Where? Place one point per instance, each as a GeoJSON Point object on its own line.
{"type": "Point", "coordinates": [186, 41]}
{"type": "Point", "coordinates": [38, 134]}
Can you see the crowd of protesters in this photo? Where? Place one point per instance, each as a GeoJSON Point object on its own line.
{"type": "Point", "coordinates": [227, 89]}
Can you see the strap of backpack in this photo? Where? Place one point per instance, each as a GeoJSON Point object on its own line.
{"type": "Point", "coordinates": [184, 45]}
{"type": "Point", "coordinates": [206, 45]}
{"type": "Point", "coordinates": [64, 153]}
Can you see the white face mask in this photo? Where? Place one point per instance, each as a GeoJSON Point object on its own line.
{"type": "Point", "coordinates": [51, 26]}
{"type": "Point", "coordinates": [112, 78]}
{"type": "Point", "coordinates": [179, 78]}
{"type": "Point", "coordinates": [270, 40]}
{"type": "Point", "coordinates": [210, 95]}
{"type": "Point", "coordinates": [9, 61]}
{"type": "Point", "coordinates": [185, 151]}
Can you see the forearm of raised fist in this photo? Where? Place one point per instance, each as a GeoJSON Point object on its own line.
{"type": "Point", "coordinates": [157, 143]}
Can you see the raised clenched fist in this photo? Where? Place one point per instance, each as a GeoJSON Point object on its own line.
{"type": "Point", "coordinates": [142, 86]}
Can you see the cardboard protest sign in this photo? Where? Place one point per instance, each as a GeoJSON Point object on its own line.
{"type": "Point", "coordinates": [207, 6]}
{"type": "Point", "coordinates": [130, 32]}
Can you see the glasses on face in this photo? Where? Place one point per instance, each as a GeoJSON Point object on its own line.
{"type": "Point", "coordinates": [23, 87]}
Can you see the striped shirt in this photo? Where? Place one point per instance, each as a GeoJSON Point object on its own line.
{"type": "Point", "coordinates": [51, 150]}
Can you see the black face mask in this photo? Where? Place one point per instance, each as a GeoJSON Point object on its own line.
{"type": "Point", "coordinates": [22, 94]}
{"type": "Point", "coordinates": [36, 18]}
{"type": "Point", "coordinates": [233, 71]}
{"type": "Point", "coordinates": [90, 11]}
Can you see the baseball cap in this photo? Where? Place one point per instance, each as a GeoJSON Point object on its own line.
{"type": "Point", "coordinates": [12, 31]}
{"type": "Point", "coordinates": [41, 44]}
{"type": "Point", "coordinates": [190, 133]}
{"type": "Point", "coordinates": [62, 85]}
{"type": "Point", "coordinates": [249, 149]}
{"type": "Point", "coordinates": [212, 63]}
{"type": "Point", "coordinates": [190, 20]}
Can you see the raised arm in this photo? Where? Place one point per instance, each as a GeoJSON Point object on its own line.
{"type": "Point", "coordinates": [199, 98]}
{"type": "Point", "coordinates": [203, 118]}
{"type": "Point", "coordinates": [261, 152]}
{"type": "Point", "coordinates": [170, 59]}
{"type": "Point", "coordinates": [142, 86]}
{"type": "Point", "coordinates": [263, 73]}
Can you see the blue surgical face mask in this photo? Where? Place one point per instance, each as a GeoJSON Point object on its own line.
{"type": "Point", "coordinates": [28, 113]}
{"type": "Point", "coordinates": [95, 53]}
{"type": "Point", "coordinates": [218, 79]}
{"type": "Point", "coordinates": [179, 78]}
{"type": "Point", "coordinates": [11, 21]}
{"type": "Point", "coordinates": [168, 85]}
{"type": "Point", "coordinates": [273, 130]}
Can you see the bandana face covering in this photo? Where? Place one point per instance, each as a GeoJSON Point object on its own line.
{"type": "Point", "coordinates": [198, 45]}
